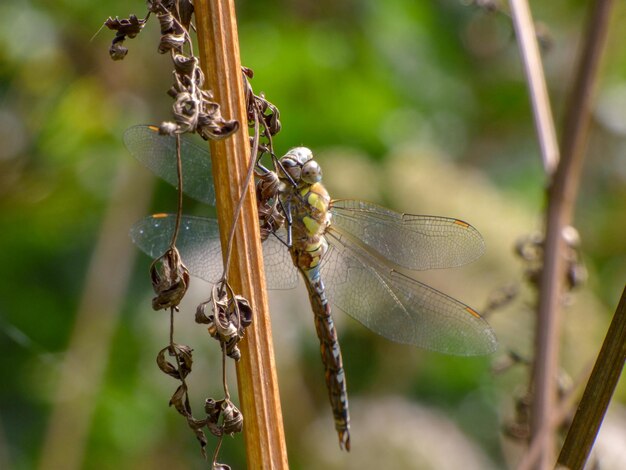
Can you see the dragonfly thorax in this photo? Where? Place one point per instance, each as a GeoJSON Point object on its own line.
{"type": "Point", "coordinates": [298, 163]}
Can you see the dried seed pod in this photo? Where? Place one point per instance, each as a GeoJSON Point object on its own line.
{"type": "Point", "coordinates": [232, 418]}
{"type": "Point", "coordinates": [127, 27]}
{"type": "Point", "coordinates": [117, 51]}
{"type": "Point", "coordinates": [213, 410]}
{"type": "Point", "coordinates": [180, 400]}
{"type": "Point", "coordinates": [232, 350]}
{"type": "Point", "coordinates": [130, 26]}
{"type": "Point", "coordinates": [220, 466]}
{"type": "Point", "coordinates": [245, 311]}
{"type": "Point", "coordinates": [217, 128]}
{"type": "Point", "coordinates": [170, 280]}
{"type": "Point", "coordinates": [184, 65]}
{"type": "Point", "coordinates": [270, 217]}
{"type": "Point", "coordinates": [226, 329]}
{"type": "Point", "coordinates": [201, 313]}
{"type": "Point", "coordinates": [185, 10]}
{"type": "Point", "coordinates": [173, 36]}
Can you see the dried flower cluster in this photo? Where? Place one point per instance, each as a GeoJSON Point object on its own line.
{"type": "Point", "coordinates": [170, 280]}
{"type": "Point", "coordinates": [194, 109]}
{"type": "Point", "coordinates": [230, 315]}
{"type": "Point", "coordinates": [226, 313]}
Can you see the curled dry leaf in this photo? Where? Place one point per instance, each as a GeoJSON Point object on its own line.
{"type": "Point", "coordinates": [194, 108]}
{"type": "Point", "coordinates": [213, 410]}
{"type": "Point", "coordinates": [257, 106]}
{"type": "Point", "coordinates": [130, 26]}
{"type": "Point", "coordinates": [126, 27]}
{"type": "Point", "coordinates": [270, 216]}
{"type": "Point", "coordinates": [228, 318]}
{"type": "Point", "coordinates": [220, 466]}
{"type": "Point", "coordinates": [232, 350]}
{"type": "Point", "coordinates": [245, 311]}
{"type": "Point", "coordinates": [184, 357]}
{"type": "Point", "coordinates": [170, 279]}
{"type": "Point", "coordinates": [223, 417]}
{"type": "Point", "coordinates": [184, 65]}
{"type": "Point", "coordinates": [201, 313]}
{"type": "Point", "coordinates": [180, 400]}
{"type": "Point", "coordinates": [232, 417]}
{"type": "Point", "coordinates": [173, 35]}
{"type": "Point", "coordinates": [185, 10]}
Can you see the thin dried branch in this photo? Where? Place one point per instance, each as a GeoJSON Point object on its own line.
{"type": "Point", "coordinates": [561, 197]}
{"type": "Point", "coordinates": [559, 417]}
{"type": "Point", "coordinates": [598, 393]}
{"type": "Point", "coordinates": [529, 49]}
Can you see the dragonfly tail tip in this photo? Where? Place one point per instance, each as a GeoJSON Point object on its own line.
{"type": "Point", "coordinates": [344, 440]}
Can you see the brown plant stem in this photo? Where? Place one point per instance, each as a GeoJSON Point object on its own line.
{"type": "Point", "coordinates": [547, 331]}
{"type": "Point", "coordinates": [561, 195]}
{"type": "Point", "coordinates": [256, 373]}
{"type": "Point", "coordinates": [564, 410]}
{"type": "Point", "coordinates": [529, 50]}
{"type": "Point", "coordinates": [598, 393]}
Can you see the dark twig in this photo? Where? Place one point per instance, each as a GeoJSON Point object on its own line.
{"type": "Point", "coordinates": [598, 393]}
{"type": "Point", "coordinates": [546, 338]}
{"type": "Point", "coordinates": [561, 196]}
{"type": "Point", "coordinates": [563, 411]}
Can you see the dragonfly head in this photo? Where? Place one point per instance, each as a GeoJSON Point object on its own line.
{"type": "Point", "coordinates": [299, 164]}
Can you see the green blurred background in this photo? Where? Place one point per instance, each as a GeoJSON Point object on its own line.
{"type": "Point", "coordinates": [421, 106]}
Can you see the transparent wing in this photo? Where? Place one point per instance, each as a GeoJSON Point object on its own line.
{"type": "Point", "coordinates": [398, 307]}
{"type": "Point", "coordinates": [198, 242]}
{"type": "Point", "coordinates": [158, 153]}
{"type": "Point", "coordinates": [415, 242]}
{"type": "Point", "coordinates": [199, 245]}
{"type": "Point", "coordinates": [280, 272]}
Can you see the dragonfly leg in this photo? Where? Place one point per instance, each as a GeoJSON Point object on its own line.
{"type": "Point", "coordinates": [279, 168]}
{"type": "Point", "coordinates": [286, 208]}
{"type": "Point", "coordinates": [262, 170]}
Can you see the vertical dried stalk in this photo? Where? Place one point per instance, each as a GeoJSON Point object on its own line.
{"type": "Point", "coordinates": [548, 325]}
{"type": "Point", "coordinates": [256, 373]}
{"type": "Point", "coordinates": [529, 49]}
{"type": "Point", "coordinates": [561, 197]}
{"type": "Point", "coordinates": [600, 388]}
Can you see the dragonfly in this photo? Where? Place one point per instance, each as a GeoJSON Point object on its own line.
{"type": "Point", "coordinates": [353, 255]}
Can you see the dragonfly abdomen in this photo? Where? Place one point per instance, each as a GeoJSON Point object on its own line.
{"type": "Point", "coordinates": [331, 358]}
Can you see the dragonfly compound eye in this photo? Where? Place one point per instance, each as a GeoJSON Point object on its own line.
{"type": "Point", "coordinates": [291, 167]}
{"type": "Point", "coordinates": [311, 172]}
{"type": "Point", "coordinates": [300, 154]}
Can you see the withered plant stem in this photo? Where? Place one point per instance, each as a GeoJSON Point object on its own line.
{"type": "Point", "coordinates": [531, 57]}
{"type": "Point", "coordinates": [598, 393]}
{"type": "Point", "coordinates": [561, 195]}
{"type": "Point", "coordinates": [256, 373]}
